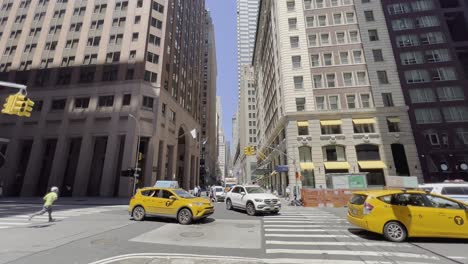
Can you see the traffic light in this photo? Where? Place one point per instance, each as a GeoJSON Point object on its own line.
{"type": "Point", "coordinates": [27, 108]}
{"type": "Point", "coordinates": [249, 151]}
{"type": "Point", "coordinates": [252, 150]}
{"type": "Point", "coordinates": [8, 106]}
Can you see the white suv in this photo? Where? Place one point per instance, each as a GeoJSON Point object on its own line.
{"type": "Point", "coordinates": [457, 191]}
{"type": "Point", "coordinates": [253, 199]}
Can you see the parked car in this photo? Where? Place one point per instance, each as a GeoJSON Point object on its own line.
{"type": "Point", "coordinates": [167, 202]}
{"type": "Point", "coordinates": [454, 190]}
{"type": "Point", "coordinates": [399, 214]}
{"type": "Point", "coordinates": [253, 199]}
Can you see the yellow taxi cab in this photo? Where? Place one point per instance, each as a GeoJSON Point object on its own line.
{"type": "Point", "coordinates": [398, 214]}
{"type": "Point", "coordinates": [167, 202]}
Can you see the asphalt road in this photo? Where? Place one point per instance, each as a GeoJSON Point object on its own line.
{"type": "Point", "coordinates": [106, 234]}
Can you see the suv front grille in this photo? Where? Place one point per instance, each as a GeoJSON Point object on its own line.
{"type": "Point", "coordinates": [271, 201]}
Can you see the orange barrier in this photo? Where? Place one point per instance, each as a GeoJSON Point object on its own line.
{"type": "Point", "coordinates": [325, 198]}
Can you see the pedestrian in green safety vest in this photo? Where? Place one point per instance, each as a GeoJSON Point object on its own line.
{"type": "Point", "coordinates": [49, 200]}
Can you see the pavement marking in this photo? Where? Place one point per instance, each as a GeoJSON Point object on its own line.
{"type": "Point", "coordinates": [302, 222]}
{"type": "Point", "coordinates": [359, 244]}
{"type": "Point", "coordinates": [350, 253]}
{"type": "Point", "coordinates": [35, 217]}
{"type": "Point", "coordinates": [11, 223]}
{"type": "Point", "coordinates": [305, 235]}
{"type": "Point", "coordinates": [308, 225]}
{"type": "Point", "coordinates": [303, 230]}
{"type": "Point", "coordinates": [454, 257]}
{"type": "Point", "coordinates": [206, 258]}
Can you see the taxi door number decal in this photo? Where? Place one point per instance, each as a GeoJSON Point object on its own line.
{"type": "Point", "coordinates": [458, 220]}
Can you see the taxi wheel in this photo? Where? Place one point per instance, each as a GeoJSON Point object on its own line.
{"type": "Point", "coordinates": [228, 204]}
{"type": "Point", "coordinates": [275, 212]}
{"type": "Point", "coordinates": [251, 209]}
{"type": "Point", "coordinates": [395, 232]}
{"type": "Point", "coordinates": [184, 216]}
{"type": "Point", "coordinates": [138, 213]}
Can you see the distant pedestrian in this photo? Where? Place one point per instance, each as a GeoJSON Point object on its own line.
{"type": "Point", "coordinates": [288, 193]}
{"type": "Point", "coordinates": [195, 191]}
{"type": "Point", "coordinates": [49, 200]}
{"type": "Point", "coordinates": [199, 191]}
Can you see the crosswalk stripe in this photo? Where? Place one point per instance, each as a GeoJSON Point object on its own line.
{"type": "Point", "coordinates": [11, 223]}
{"type": "Point", "coordinates": [320, 243]}
{"type": "Point", "coordinates": [350, 252]}
{"type": "Point", "coordinates": [303, 230]}
{"type": "Point", "coordinates": [305, 235]}
{"type": "Point", "coordinates": [304, 221]}
{"type": "Point", "coordinates": [309, 225]}
{"type": "Point", "coordinates": [36, 217]}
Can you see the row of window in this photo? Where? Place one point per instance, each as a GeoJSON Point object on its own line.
{"type": "Point", "coordinates": [81, 103]}
{"type": "Point", "coordinates": [412, 40]}
{"type": "Point", "coordinates": [415, 6]}
{"type": "Point", "coordinates": [332, 102]}
{"type": "Point", "coordinates": [444, 94]}
{"type": "Point", "coordinates": [436, 74]}
{"type": "Point", "coordinates": [412, 23]}
{"type": "Point", "coordinates": [433, 115]}
{"type": "Point", "coordinates": [435, 138]}
{"type": "Point", "coordinates": [324, 20]}
{"type": "Point", "coordinates": [358, 128]}
{"type": "Point", "coordinates": [317, 4]}
{"type": "Point", "coordinates": [337, 152]}
{"type": "Point", "coordinates": [324, 39]}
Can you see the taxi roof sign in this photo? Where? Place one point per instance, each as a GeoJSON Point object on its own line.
{"type": "Point", "coordinates": [167, 184]}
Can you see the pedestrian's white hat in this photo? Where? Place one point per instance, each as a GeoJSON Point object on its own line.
{"type": "Point", "coordinates": [54, 189]}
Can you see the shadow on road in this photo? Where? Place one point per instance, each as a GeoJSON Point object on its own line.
{"type": "Point", "coordinates": [378, 237]}
{"type": "Point", "coordinates": [204, 221]}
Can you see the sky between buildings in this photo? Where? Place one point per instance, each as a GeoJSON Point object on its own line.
{"type": "Point", "coordinates": [224, 17]}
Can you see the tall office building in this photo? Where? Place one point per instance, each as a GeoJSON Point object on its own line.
{"type": "Point", "coordinates": [221, 170]}
{"type": "Point", "coordinates": [247, 12]}
{"type": "Point", "coordinates": [329, 96]}
{"type": "Point", "coordinates": [116, 83]}
{"type": "Point", "coordinates": [209, 135]}
{"type": "Point", "coordinates": [430, 43]}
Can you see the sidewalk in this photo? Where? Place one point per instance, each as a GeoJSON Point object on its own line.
{"type": "Point", "coordinates": [95, 201]}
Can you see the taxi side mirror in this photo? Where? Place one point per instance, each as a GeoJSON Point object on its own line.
{"type": "Point", "coordinates": [173, 198]}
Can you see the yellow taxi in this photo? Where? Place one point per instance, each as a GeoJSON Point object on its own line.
{"type": "Point", "coordinates": [167, 202]}
{"type": "Point", "coordinates": [398, 214]}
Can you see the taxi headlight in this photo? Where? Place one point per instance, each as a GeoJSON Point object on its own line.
{"type": "Point", "coordinates": [259, 200]}
{"type": "Point", "coordinates": [198, 204]}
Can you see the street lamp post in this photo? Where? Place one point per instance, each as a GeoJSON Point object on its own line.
{"type": "Point", "coordinates": [135, 174]}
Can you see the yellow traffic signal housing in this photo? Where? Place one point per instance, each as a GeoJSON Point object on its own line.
{"type": "Point", "coordinates": [8, 106]}
{"type": "Point", "coordinates": [27, 108]}
{"type": "Point", "coordinates": [252, 150]}
{"type": "Point", "coordinates": [18, 104]}
{"type": "Point", "coordinates": [247, 151]}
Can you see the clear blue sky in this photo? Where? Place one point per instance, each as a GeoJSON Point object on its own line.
{"type": "Point", "coordinates": [224, 17]}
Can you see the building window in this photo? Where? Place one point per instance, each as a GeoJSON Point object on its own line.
{"type": "Point", "coordinates": [365, 101]}
{"type": "Point", "coordinates": [296, 62]}
{"type": "Point", "coordinates": [455, 113]}
{"type": "Point", "coordinates": [135, 37]}
{"type": "Point", "coordinates": [382, 76]}
{"type": "Point", "coordinates": [432, 137]}
{"type": "Point", "coordinates": [337, 19]}
{"type": "Point", "coordinates": [172, 116]}
{"type": "Point", "coordinates": [417, 76]}
{"type": "Point", "coordinates": [387, 99]}
{"type": "Point", "coordinates": [422, 95]}
{"type": "Point", "coordinates": [378, 56]}
{"type": "Point", "coordinates": [163, 109]}
{"type": "Point", "coordinates": [151, 76]}
{"type": "Point", "coordinates": [82, 103]}
{"type": "Point", "coordinates": [298, 82]}
{"type": "Point", "coordinates": [158, 7]}
{"type": "Point", "coordinates": [291, 5]}
{"type": "Point", "coordinates": [362, 78]}
{"type": "Point", "coordinates": [137, 20]}
{"type": "Point", "coordinates": [334, 153]}
{"type": "Point", "coordinates": [462, 134]}
{"type": "Point", "coordinates": [450, 93]}
{"type": "Point", "coordinates": [302, 128]}
{"type": "Point", "coordinates": [331, 80]}
{"type": "Point", "coordinates": [373, 35]}
{"type": "Point", "coordinates": [129, 75]}
{"type": "Point", "coordinates": [106, 101]}
{"type": "Point", "coordinates": [310, 21]}
{"type": "Point", "coordinates": [358, 57]}
{"type": "Point", "coordinates": [155, 40]}
{"type": "Point", "coordinates": [330, 129]}
{"type": "Point", "coordinates": [156, 23]}
{"type": "Point", "coordinates": [354, 36]}
{"type": "Point", "coordinates": [344, 57]}
{"type": "Point", "coordinates": [126, 99]}
{"type": "Point", "coordinates": [292, 22]}
{"type": "Point", "coordinates": [328, 59]}
{"type": "Point", "coordinates": [428, 115]}
{"type": "Point", "coordinates": [300, 104]}
{"type": "Point", "coordinates": [393, 124]}
{"type": "Point", "coordinates": [412, 57]}
{"type": "Point", "coordinates": [367, 152]}
{"type": "Point", "coordinates": [139, 3]}
{"type": "Point", "coordinates": [113, 57]}
{"type": "Point", "coordinates": [325, 39]}
{"type": "Point", "coordinates": [312, 39]}
{"type": "Point", "coordinates": [294, 42]}
{"type": "Point", "coordinates": [369, 15]}
{"type": "Point", "coordinates": [443, 74]}
{"type": "Point", "coordinates": [363, 128]}
{"type": "Point", "coordinates": [58, 104]}
{"type": "Point", "coordinates": [153, 58]}
{"type": "Point", "coordinates": [148, 103]}
{"type": "Point", "coordinates": [351, 101]}
{"type": "Point", "coordinates": [333, 102]}
{"type": "Point", "coordinates": [320, 103]}
{"type": "Point", "coordinates": [315, 60]}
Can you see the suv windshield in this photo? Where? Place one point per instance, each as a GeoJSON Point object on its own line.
{"type": "Point", "coordinates": [183, 194]}
{"type": "Point", "coordinates": [219, 189]}
{"type": "Point", "coordinates": [254, 190]}
{"type": "Point", "coordinates": [460, 190]}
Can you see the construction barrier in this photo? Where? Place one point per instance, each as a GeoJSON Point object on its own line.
{"type": "Point", "coordinates": [325, 198]}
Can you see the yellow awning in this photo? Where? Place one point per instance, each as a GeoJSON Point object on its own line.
{"type": "Point", "coordinates": [303, 123]}
{"type": "Point", "coordinates": [336, 165]}
{"type": "Point", "coordinates": [307, 165]}
{"type": "Point", "coordinates": [374, 164]}
{"type": "Point", "coordinates": [394, 119]}
{"type": "Point", "coordinates": [364, 121]}
{"type": "Point", "coordinates": [330, 122]}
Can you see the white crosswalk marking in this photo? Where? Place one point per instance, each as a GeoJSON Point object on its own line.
{"type": "Point", "coordinates": [321, 235]}
{"type": "Point", "coordinates": [22, 220]}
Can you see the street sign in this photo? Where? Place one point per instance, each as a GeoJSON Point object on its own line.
{"type": "Point", "coordinates": [282, 168]}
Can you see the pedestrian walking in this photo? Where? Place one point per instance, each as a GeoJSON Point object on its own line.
{"type": "Point", "coordinates": [199, 191]}
{"type": "Point", "coordinates": [195, 191]}
{"type": "Point", "coordinates": [49, 200]}
{"type": "Point", "coordinates": [288, 193]}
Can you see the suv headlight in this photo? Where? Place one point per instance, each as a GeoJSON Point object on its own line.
{"type": "Point", "coordinates": [259, 200]}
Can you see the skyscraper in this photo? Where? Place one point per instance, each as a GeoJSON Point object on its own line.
{"type": "Point", "coordinates": [116, 84]}
{"type": "Point", "coordinates": [323, 91]}
{"type": "Point", "coordinates": [247, 12]}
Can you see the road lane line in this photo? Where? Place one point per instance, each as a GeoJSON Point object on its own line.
{"type": "Point", "coordinates": [302, 226]}
{"type": "Point", "coordinates": [305, 235]}
{"type": "Point", "coordinates": [303, 230]}
{"type": "Point", "coordinates": [301, 222]}
{"type": "Point", "coordinates": [360, 244]}
{"type": "Point", "coordinates": [350, 253]}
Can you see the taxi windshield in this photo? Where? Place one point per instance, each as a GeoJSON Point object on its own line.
{"type": "Point", "coordinates": [183, 194]}
{"type": "Point", "coordinates": [255, 190]}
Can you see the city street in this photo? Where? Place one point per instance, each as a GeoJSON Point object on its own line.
{"type": "Point", "coordinates": [105, 234]}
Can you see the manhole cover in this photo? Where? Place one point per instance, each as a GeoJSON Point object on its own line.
{"type": "Point", "coordinates": [191, 234]}
{"type": "Point", "coordinates": [244, 225]}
